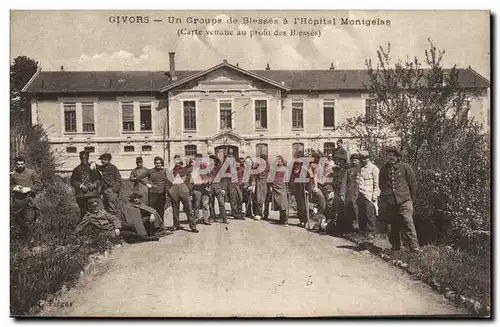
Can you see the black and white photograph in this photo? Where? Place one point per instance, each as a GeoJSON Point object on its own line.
{"type": "Point", "coordinates": [250, 163]}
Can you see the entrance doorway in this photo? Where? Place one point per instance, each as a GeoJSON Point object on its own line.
{"type": "Point", "coordinates": [222, 151]}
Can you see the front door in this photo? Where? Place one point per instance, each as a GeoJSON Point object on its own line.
{"type": "Point", "coordinates": [222, 151]}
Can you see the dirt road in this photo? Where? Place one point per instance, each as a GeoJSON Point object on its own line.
{"type": "Point", "coordinates": [251, 268]}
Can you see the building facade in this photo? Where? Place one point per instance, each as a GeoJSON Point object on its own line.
{"type": "Point", "coordinates": [148, 114]}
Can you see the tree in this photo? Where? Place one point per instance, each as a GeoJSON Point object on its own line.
{"type": "Point", "coordinates": [425, 107]}
{"type": "Point", "coordinates": [21, 71]}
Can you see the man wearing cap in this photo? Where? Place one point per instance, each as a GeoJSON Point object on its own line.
{"type": "Point", "coordinates": [158, 184]}
{"type": "Point", "coordinates": [217, 192]}
{"type": "Point", "coordinates": [24, 184]}
{"type": "Point", "coordinates": [201, 198]}
{"type": "Point", "coordinates": [140, 223]}
{"type": "Point", "coordinates": [368, 186]}
{"type": "Point", "coordinates": [111, 183]}
{"type": "Point", "coordinates": [233, 187]}
{"type": "Point", "coordinates": [398, 187]}
{"type": "Point", "coordinates": [315, 185]}
{"type": "Point", "coordinates": [349, 192]}
{"type": "Point", "coordinates": [85, 182]}
{"type": "Point", "coordinates": [99, 221]}
{"type": "Point", "coordinates": [140, 185]}
{"type": "Point", "coordinates": [298, 187]}
{"type": "Point", "coordinates": [261, 190]}
{"type": "Point", "coordinates": [340, 153]}
{"type": "Point", "coordinates": [179, 192]}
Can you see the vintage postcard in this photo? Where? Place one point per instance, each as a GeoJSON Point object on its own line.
{"type": "Point", "coordinates": [240, 163]}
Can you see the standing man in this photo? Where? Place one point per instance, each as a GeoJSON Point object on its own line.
{"type": "Point", "coordinates": [368, 185]}
{"type": "Point", "coordinates": [140, 185]}
{"type": "Point", "coordinates": [349, 193]}
{"type": "Point", "coordinates": [340, 153]}
{"type": "Point", "coordinates": [261, 190]}
{"type": "Point", "coordinates": [85, 182]}
{"type": "Point", "coordinates": [24, 183]}
{"type": "Point", "coordinates": [278, 190]}
{"type": "Point", "coordinates": [248, 187]}
{"type": "Point", "coordinates": [158, 185]}
{"type": "Point", "coordinates": [201, 199]}
{"type": "Point", "coordinates": [298, 188]}
{"type": "Point", "coordinates": [217, 191]}
{"type": "Point", "coordinates": [179, 192]}
{"type": "Point", "coordinates": [111, 183]}
{"type": "Point", "coordinates": [317, 195]}
{"type": "Point", "coordinates": [398, 192]}
{"type": "Point", "coordinates": [232, 188]}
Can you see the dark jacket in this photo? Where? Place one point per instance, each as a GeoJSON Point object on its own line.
{"type": "Point", "coordinates": [349, 188]}
{"type": "Point", "coordinates": [397, 183]}
{"type": "Point", "coordinates": [111, 178]}
{"type": "Point", "coordinates": [82, 175]}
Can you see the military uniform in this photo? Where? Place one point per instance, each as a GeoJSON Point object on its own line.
{"type": "Point", "coordinates": [261, 191]}
{"type": "Point", "coordinates": [22, 201]}
{"type": "Point", "coordinates": [398, 190]}
{"type": "Point", "coordinates": [279, 194]}
{"type": "Point", "coordinates": [298, 190]}
{"type": "Point", "coordinates": [140, 185]}
{"type": "Point", "coordinates": [111, 185]}
{"type": "Point", "coordinates": [157, 193]}
{"type": "Point", "coordinates": [368, 185]}
{"type": "Point", "coordinates": [136, 224]}
{"type": "Point", "coordinates": [217, 192]}
{"type": "Point", "coordinates": [201, 196]}
{"type": "Point", "coordinates": [100, 221]}
{"type": "Point", "coordinates": [83, 178]}
{"type": "Point", "coordinates": [233, 191]}
{"type": "Point", "coordinates": [349, 191]}
{"type": "Point", "coordinates": [179, 192]}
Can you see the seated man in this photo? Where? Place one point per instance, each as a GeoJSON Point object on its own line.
{"type": "Point", "coordinates": [100, 221]}
{"type": "Point", "coordinates": [142, 220]}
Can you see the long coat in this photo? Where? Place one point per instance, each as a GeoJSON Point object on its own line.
{"type": "Point", "coordinates": [261, 185]}
{"type": "Point", "coordinates": [279, 191]}
{"type": "Point", "coordinates": [140, 184]}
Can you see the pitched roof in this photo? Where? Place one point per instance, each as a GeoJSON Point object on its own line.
{"type": "Point", "coordinates": [147, 81]}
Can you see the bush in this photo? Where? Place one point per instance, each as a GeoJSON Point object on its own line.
{"type": "Point", "coordinates": [453, 201]}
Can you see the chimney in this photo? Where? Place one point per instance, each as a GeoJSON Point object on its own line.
{"type": "Point", "coordinates": [267, 67]}
{"type": "Point", "coordinates": [62, 68]}
{"type": "Point", "coordinates": [172, 66]}
{"type": "Point", "coordinates": [332, 67]}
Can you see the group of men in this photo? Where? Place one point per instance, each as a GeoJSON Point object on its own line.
{"type": "Point", "coordinates": [349, 196]}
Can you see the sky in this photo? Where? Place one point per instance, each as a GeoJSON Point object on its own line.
{"type": "Point", "coordinates": [91, 40]}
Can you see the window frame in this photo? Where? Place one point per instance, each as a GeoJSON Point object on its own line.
{"type": "Point", "coordinates": [78, 102]}
{"type": "Point", "coordinates": [195, 130]}
{"type": "Point", "coordinates": [150, 105]}
{"type": "Point", "coordinates": [333, 148]}
{"type": "Point", "coordinates": [137, 102]}
{"type": "Point", "coordinates": [219, 110]}
{"type": "Point", "coordinates": [190, 146]}
{"type": "Point", "coordinates": [93, 116]}
{"type": "Point", "coordinates": [334, 112]}
{"type": "Point", "coordinates": [257, 147]}
{"type": "Point", "coordinates": [302, 118]}
{"type": "Point", "coordinates": [303, 148]}
{"type": "Point", "coordinates": [254, 100]}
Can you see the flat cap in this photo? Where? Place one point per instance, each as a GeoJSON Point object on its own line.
{"type": "Point", "coordinates": [355, 156]}
{"type": "Point", "coordinates": [105, 156]}
{"type": "Point", "coordinates": [394, 150]}
{"type": "Point", "coordinates": [93, 200]}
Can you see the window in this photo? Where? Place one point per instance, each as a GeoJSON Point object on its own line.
{"type": "Point", "coordinates": [190, 115]}
{"type": "Point", "coordinates": [329, 113]}
{"type": "Point", "coordinates": [463, 107]}
{"type": "Point", "coordinates": [297, 114]}
{"type": "Point", "coordinates": [89, 149]}
{"type": "Point", "coordinates": [88, 116]}
{"type": "Point", "coordinates": [226, 114]}
{"type": "Point", "coordinates": [70, 117]}
{"type": "Point", "coordinates": [329, 148]}
{"type": "Point", "coordinates": [190, 150]}
{"type": "Point", "coordinates": [147, 148]}
{"type": "Point", "coordinates": [297, 148]}
{"type": "Point", "coordinates": [260, 114]}
{"type": "Point", "coordinates": [260, 149]}
{"type": "Point", "coordinates": [371, 111]}
{"type": "Point", "coordinates": [71, 149]}
{"type": "Point", "coordinates": [129, 148]}
{"type": "Point", "coordinates": [145, 114]}
{"type": "Point", "coordinates": [128, 116]}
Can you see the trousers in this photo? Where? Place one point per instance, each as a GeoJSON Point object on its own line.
{"type": "Point", "coordinates": [367, 216]}
{"type": "Point", "coordinates": [401, 220]}
{"type": "Point", "coordinates": [180, 194]}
